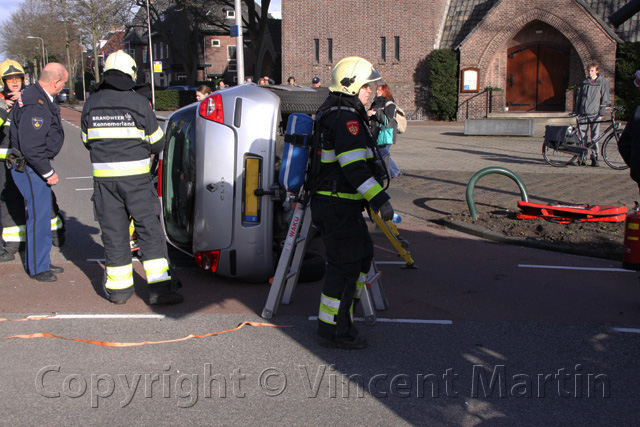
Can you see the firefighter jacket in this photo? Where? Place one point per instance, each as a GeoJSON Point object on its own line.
{"type": "Point", "coordinates": [4, 130]}
{"type": "Point", "coordinates": [121, 131]}
{"type": "Point", "coordinates": [347, 142]}
{"type": "Point", "coordinates": [36, 129]}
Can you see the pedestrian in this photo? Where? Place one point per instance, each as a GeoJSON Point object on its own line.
{"type": "Point", "coordinates": [249, 79]}
{"type": "Point", "coordinates": [268, 80]}
{"type": "Point", "coordinates": [221, 85]}
{"type": "Point", "coordinates": [37, 134]}
{"type": "Point", "coordinates": [592, 103]}
{"type": "Point", "coordinates": [202, 92]}
{"type": "Point", "coordinates": [348, 180]}
{"type": "Point", "coordinates": [121, 132]}
{"type": "Point", "coordinates": [315, 82]}
{"type": "Point", "coordinates": [12, 209]}
{"type": "Point", "coordinates": [383, 115]}
{"type": "Point", "coordinates": [262, 82]}
{"type": "Point", "coordinates": [291, 81]}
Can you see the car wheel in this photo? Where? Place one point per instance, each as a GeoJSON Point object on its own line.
{"type": "Point", "coordinates": [306, 102]}
{"type": "Point", "coordinates": [313, 267]}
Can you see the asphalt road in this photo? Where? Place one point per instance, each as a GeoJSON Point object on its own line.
{"type": "Point", "coordinates": [480, 334]}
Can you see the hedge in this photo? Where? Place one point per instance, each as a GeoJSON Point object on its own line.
{"type": "Point", "coordinates": [442, 72]}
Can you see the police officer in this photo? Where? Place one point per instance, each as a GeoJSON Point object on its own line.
{"type": "Point", "coordinates": [348, 178]}
{"type": "Point", "coordinates": [12, 209]}
{"type": "Point", "coordinates": [121, 132]}
{"type": "Point", "coordinates": [36, 132]}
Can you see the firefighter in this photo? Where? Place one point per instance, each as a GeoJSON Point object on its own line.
{"type": "Point", "coordinates": [349, 177]}
{"type": "Point", "coordinates": [11, 201]}
{"type": "Point", "coordinates": [121, 131]}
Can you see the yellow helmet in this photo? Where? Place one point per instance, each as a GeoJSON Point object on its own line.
{"type": "Point", "coordinates": [121, 61]}
{"type": "Point", "coordinates": [351, 73]}
{"type": "Point", "coordinates": [9, 67]}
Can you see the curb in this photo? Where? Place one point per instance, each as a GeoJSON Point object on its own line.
{"type": "Point", "coordinates": [536, 244]}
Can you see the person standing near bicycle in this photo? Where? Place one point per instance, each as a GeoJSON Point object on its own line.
{"type": "Point", "coordinates": [593, 100]}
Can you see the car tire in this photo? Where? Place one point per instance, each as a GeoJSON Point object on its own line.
{"type": "Point", "coordinates": [306, 102]}
{"type": "Point", "coordinates": [313, 267]}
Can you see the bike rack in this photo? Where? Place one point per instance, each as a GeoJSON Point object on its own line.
{"type": "Point", "coordinates": [488, 171]}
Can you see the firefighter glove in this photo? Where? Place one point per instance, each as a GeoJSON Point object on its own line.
{"type": "Point", "coordinates": [386, 211]}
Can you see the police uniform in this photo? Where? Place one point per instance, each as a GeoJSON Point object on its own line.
{"type": "Point", "coordinates": [348, 182]}
{"type": "Point", "coordinates": [12, 210]}
{"type": "Point", "coordinates": [121, 132]}
{"type": "Point", "coordinates": [36, 131]}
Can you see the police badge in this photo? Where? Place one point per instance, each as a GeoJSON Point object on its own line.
{"type": "Point", "coordinates": [37, 122]}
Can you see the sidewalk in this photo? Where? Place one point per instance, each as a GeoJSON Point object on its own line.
{"type": "Point", "coordinates": [438, 160]}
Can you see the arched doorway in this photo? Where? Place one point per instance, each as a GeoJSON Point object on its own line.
{"type": "Point", "coordinates": [537, 77]}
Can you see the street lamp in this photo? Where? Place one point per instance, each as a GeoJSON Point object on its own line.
{"type": "Point", "coordinates": [153, 90]}
{"type": "Point", "coordinates": [44, 61]}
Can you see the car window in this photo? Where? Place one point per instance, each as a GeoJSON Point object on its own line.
{"type": "Point", "coordinates": [178, 183]}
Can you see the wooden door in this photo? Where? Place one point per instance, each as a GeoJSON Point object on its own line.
{"type": "Point", "coordinates": [553, 77]}
{"type": "Point", "coordinates": [537, 77]}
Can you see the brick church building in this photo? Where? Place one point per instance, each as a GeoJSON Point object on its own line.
{"type": "Point", "coordinates": [533, 50]}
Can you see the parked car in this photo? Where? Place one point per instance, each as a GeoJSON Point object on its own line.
{"type": "Point", "coordinates": [63, 96]}
{"type": "Point", "coordinates": [218, 152]}
{"type": "Point", "coordinates": [181, 88]}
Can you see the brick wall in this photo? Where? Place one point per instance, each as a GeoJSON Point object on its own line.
{"type": "Point", "coordinates": [356, 28]}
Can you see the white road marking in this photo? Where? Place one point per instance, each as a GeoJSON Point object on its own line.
{"type": "Point", "coordinates": [630, 330]}
{"type": "Point", "coordinates": [84, 189]}
{"type": "Point", "coordinates": [418, 321]}
{"type": "Point", "coordinates": [68, 122]}
{"type": "Point", "coordinates": [103, 260]}
{"type": "Point", "coordinates": [563, 267]}
{"type": "Point", "coordinates": [391, 262]}
{"type": "Point", "coordinates": [80, 177]}
{"type": "Point", "coordinates": [104, 316]}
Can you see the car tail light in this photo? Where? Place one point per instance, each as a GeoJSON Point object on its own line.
{"type": "Point", "coordinates": [211, 108]}
{"type": "Point", "coordinates": [208, 260]}
{"type": "Point", "coordinates": [159, 186]}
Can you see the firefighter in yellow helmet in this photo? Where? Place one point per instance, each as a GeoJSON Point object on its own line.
{"type": "Point", "coordinates": [121, 132]}
{"type": "Point", "coordinates": [350, 177]}
{"type": "Point", "coordinates": [12, 211]}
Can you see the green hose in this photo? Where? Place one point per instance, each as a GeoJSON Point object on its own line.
{"type": "Point", "coordinates": [488, 171]}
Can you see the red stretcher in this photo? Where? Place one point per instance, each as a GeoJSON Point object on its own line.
{"type": "Point", "coordinates": [567, 213]}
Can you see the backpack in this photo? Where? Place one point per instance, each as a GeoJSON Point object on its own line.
{"type": "Point", "coordinates": [401, 118]}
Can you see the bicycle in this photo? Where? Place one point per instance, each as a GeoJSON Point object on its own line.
{"type": "Point", "coordinates": [564, 145]}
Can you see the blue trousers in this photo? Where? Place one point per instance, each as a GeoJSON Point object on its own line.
{"type": "Point", "coordinates": [37, 196]}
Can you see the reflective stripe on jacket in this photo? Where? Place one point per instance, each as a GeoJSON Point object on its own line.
{"type": "Point", "coordinates": [121, 131]}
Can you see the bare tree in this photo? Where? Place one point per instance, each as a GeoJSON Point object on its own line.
{"type": "Point", "coordinates": [96, 17]}
{"type": "Point", "coordinates": [181, 24]}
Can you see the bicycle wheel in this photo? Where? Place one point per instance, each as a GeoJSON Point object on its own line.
{"type": "Point", "coordinates": [555, 157]}
{"type": "Point", "coordinates": [610, 153]}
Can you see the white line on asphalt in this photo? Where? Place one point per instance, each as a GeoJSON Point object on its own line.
{"type": "Point", "coordinates": [390, 262]}
{"type": "Point", "coordinates": [84, 189]}
{"type": "Point", "coordinates": [104, 316]}
{"type": "Point", "coordinates": [384, 320]}
{"type": "Point", "coordinates": [630, 330]}
{"type": "Point", "coordinates": [562, 267]}
{"type": "Point", "coordinates": [79, 177]}
{"type": "Point", "coordinates": [103, 260]}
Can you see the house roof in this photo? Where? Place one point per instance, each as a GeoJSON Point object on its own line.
{"type": "Point", "coordinates": [464, 16]}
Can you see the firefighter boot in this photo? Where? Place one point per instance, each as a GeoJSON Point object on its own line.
{"type": "Point", "coordinates": [6, 256]}
{"type": "Point", "coordinates": [166, 293]}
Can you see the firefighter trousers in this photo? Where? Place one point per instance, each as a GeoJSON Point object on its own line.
{"type": "Point", "coordinates": [349, 252]}
{"type": "Point", "coordinates": [115, 202]}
